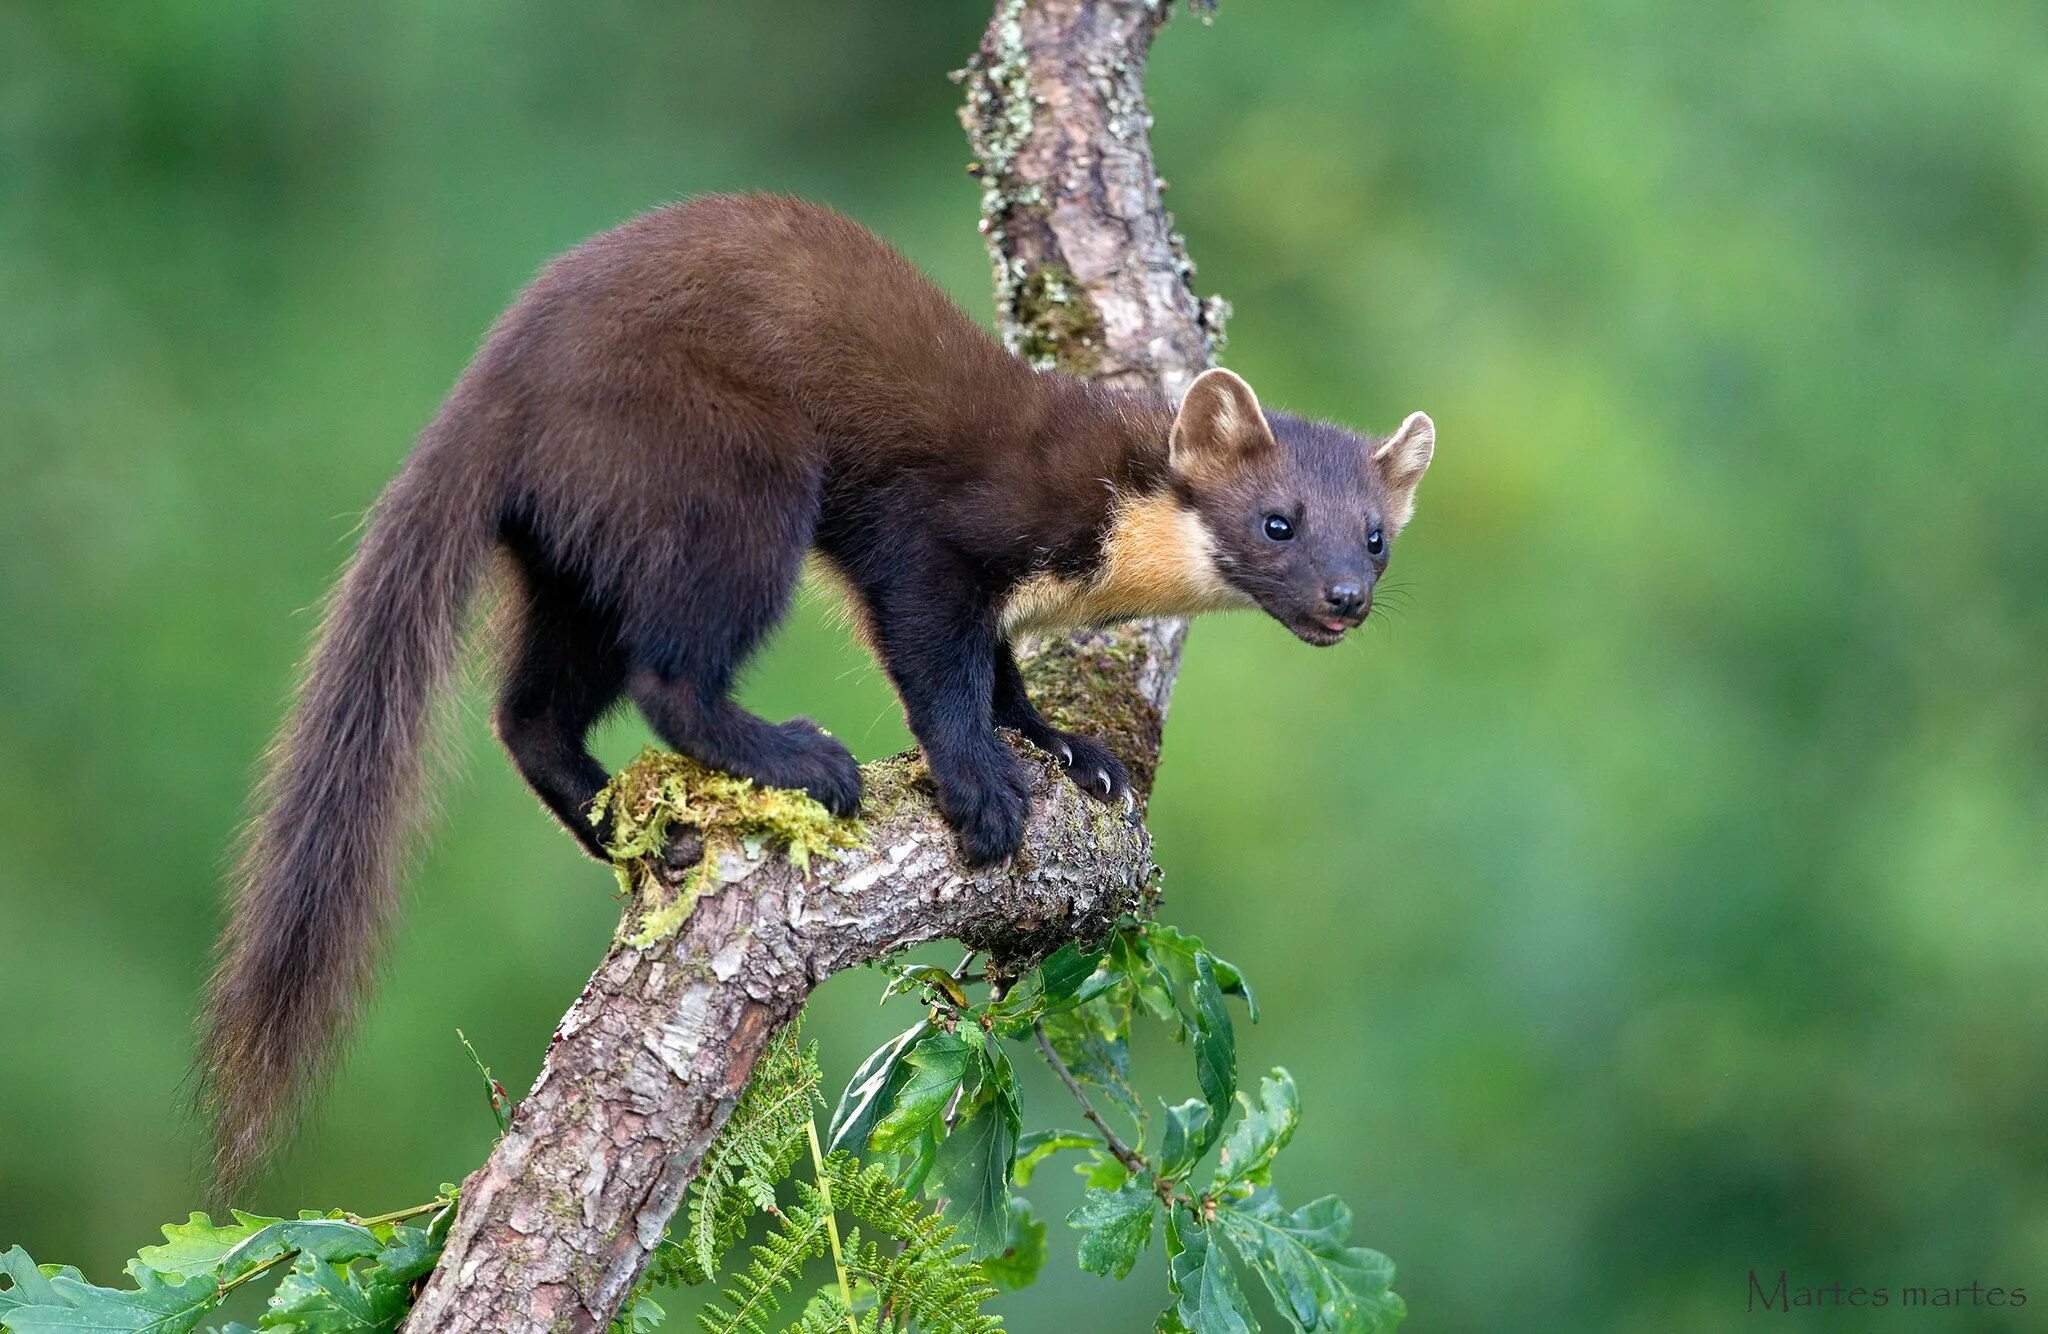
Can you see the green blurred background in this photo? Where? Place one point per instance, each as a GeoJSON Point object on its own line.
{"type": "Point", "coordinates": [1657, 894]}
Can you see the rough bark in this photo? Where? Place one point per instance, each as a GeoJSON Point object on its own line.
{"type": "Point", "coordinates": [555, 1228]}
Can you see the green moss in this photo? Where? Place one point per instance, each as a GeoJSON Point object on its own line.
{"type": "Point", "coordinates": [660, 796]}
{"type": "Point", "coordinates": [1054, 324]}
{"type": "Point", "coordinates": [887, 785]}
{"type": "Point", "coordinates": [1089, 684]}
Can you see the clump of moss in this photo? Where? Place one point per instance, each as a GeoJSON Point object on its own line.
{"type": "Point", "coordinates": [659, 796]}
{"type": "Point", "coordinates": [1053, 322]}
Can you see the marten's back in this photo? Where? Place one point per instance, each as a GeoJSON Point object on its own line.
{"type": "Point", "coordinates": [738, 345]}
{"type": "Point", "coordinates": [789, 307]}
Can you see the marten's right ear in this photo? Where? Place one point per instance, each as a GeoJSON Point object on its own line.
{"type": "Point", "coordinates": [1220, 427]}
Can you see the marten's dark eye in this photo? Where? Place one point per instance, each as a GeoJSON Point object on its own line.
{"type": "Point", "coordinates": [1278, 528]}
{"type": "Point", "coordinates": [1374, 542]}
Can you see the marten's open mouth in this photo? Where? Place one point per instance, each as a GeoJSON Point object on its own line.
{"type": "Point", "coordinates": [1322, 631]}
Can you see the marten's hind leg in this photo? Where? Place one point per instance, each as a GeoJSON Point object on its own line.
{"type": "Point", "coordinates": [702, 603]}
{"type": "Point", "coordinates": [697, 720]}
{"type": "Point", "coordinates": [565, 669]}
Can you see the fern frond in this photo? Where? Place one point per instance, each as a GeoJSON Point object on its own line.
{"type": "Point", "coordinates": [755, 1295]}
{"type": "Point", "coordinates": [934, 1294]}
{"type": "Point", "coordinates": [928, 1282]}
{"type": "Point", "coordinates": [756, 1149]}
{"type": "Point", "coordinates": [826, 1314]}
{"type": "Point", "coordinates": [908, 1264]}
{"type": "Point", "coordinates": [871, 1194]}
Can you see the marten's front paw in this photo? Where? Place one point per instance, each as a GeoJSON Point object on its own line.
{"type": "Point", "coordinates": [990, 814]}
{"type": "Point", "coordinates": [993, 829]}
{"type": "Point", "coordinates": [822, 767]}
{"type": "Point", "coordinates": [1092, 767]}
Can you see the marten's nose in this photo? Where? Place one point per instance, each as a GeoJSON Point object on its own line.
{"type": "Point", "coordinates": [1346, 597]}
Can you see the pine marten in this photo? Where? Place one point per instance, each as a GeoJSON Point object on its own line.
{"type": "Point", "coordinates": [657, 433]}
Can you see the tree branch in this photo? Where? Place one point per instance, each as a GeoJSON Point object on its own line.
{"type": "Point", "coordinates": [555, 1228]}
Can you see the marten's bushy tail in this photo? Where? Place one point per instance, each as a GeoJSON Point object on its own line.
{"type": "Point", "coordinates": [315, 880]}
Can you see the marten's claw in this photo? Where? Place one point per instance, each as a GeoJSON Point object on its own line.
{"type": "Point", "coordinates": [1093, 768]}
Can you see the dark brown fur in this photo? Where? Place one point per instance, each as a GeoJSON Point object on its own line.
{"type": "Point", "coordinates": [657, 431]}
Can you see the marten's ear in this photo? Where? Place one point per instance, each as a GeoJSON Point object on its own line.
{"type": "Point", "coordinates": [1402, 458]}
{"type": "Point", "coordinates": [1220, 427]}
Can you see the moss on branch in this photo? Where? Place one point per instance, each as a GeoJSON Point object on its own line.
{"type": "Point", "coordinates": [661, 797]}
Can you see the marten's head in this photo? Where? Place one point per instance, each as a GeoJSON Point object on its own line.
{"type": "Point", "coordinates": [1301, 515]}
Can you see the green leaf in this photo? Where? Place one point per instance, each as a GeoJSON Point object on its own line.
{"type": "Point", "coordinates": [1215, 1039]}
{"type": "Point", "coordinates": [1171, 953]}
{"type": "Point", "coordinates": [156, 1305]}
{"type": "Point", "coordinates": [1190, 1130]}
{"type": "Point", "coordinates": [1180, 982]}
{"type": "Point", "coordinates": [1169, 1321]}
{"type": "Point", "coordinates": [179, 1282]}
{"type": "Point", "coordinates": [1211, 1302]}
{"type": "Point", "coordinates": [864, 1101]}
{"type": "Point", "coordinates": [1092, 1040]}
{"type": "Point", "coordinates": [199, 1246]}
{"type": "Point", "coordinates": [932, 1071]}
{"type": "Point", "coordinates": [1116, 1226]}
{"type": "Point", "coordinates": [1039, 1145]}
{"type": "Point", "coordinates": [1023, 1254]}
{"type": "Point", "coordinates": [333, 1239]}
{"type": "Point", "coordinates": [1247, 1156]}
{"type": "Point", "coordinates": [1232, 981]}
{"type": "Point", "coordinates": [913, 1163]}
{"type": "Point", "coordinates": [1318, 1282]}
{"type": "Point", "coordinates": [412, 1252]}
{"type": "Point", "coordinates": [1062, 980]}
{"type": "Point", "coordinates": [1103, 1171]}
{"type": "Point", "coordinates": [320, 1296]}
{"type": "Point", "coordinates": [29, 1284]}
{"type": "Point", "coordinates": [1155, 991]}
{"type": "Point", "coordinates": [641, 1315]}
{"type": "Point", "coordinates": [972, 1165]}
{"type": "Point", "coordinates": [1065, 969]}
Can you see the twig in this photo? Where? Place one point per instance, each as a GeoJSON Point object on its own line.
{"type": "Point", "coordinates": [400, 1215]}
{"type": "Point", "coordinates": [238, 1280]}
{"type": "Point", "coordinates": [1133, 1161]}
